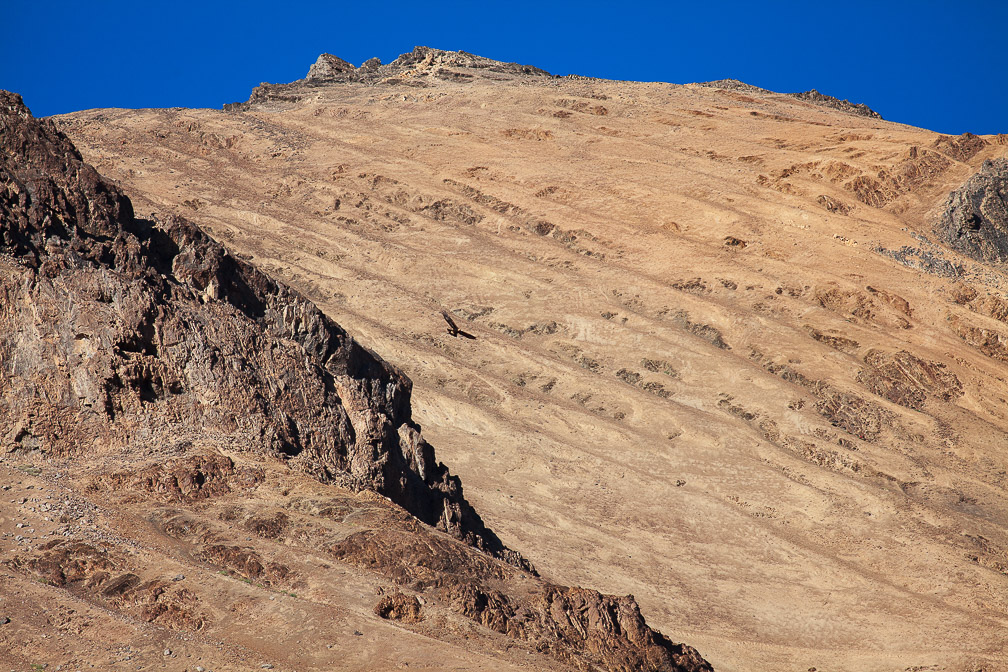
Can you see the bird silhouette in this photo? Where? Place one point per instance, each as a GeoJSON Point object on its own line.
{"type": "Point", "coordinates": [453, 329]}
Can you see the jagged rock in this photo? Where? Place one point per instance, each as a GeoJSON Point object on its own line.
{"type": "Point", "coordinates": [434, 58]}
{"type": "Point", "coordinates": [49, 191]}
{"type": "Point", "coordinates": [414, 67]}
{"type": "Point", "coordinates": [928, 261]}
{"type": "Point", "coordinates": [733, 85]}
{"type": "Point", "coordinates": [124, 332]}
{"type": "Point", "coordinates": [833, 205]}
{"type": "Point", "coordinates": [974, 219]}
{"type": "Point", "coordinates": [329, 68]}
{"type": "Point", "coordinates": [814, 96]}
{"type": "Point", "coordinates": [810, 96]}
{"type": "Point", "coordinates": [569, 623]}
{"type": "Point", "coordinates": [565, 621]}
{"type": "Point", "coordinates": [960, 147]}
{"type": "Point", "coordinates": [399, 607]}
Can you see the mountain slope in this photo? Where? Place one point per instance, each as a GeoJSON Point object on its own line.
{"type": "Point", "coordinates": [174, 400]}
{"type": "Point", "coordinates": [723, 359]}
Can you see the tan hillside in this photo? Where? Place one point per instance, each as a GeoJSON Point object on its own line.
{"type": "Point", "coordinates": [189, 439]}
{"type": "Point", "coordinates": [723, 362]}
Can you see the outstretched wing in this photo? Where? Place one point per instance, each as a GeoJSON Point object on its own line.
{"type": "Point", "coordinates": [466, 334]}
{"type": "Point", "coordinates": [449, 320]}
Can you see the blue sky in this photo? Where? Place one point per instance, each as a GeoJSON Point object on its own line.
{"type": "Point", "coordinates": [940, 65]}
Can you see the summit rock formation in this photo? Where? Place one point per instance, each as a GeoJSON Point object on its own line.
{"type": "Point", "coordinates": [419, 68]}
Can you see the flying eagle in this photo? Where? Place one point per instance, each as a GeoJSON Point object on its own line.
{"type": "Point", "coordinates": [453, 329]}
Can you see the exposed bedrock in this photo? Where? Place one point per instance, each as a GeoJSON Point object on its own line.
{"type": "Point", "coordinates": [974, 219]}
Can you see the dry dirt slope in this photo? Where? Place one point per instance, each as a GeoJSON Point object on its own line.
{"type": "Point", "coordinates": [722, 361]}
{"type": "Point", "coordinates": [186, 439]}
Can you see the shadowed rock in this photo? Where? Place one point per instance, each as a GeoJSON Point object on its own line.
{"type": "Point", "coordinates": [125, 332]}
{"type": "Point", "coordinates": [974, 219]}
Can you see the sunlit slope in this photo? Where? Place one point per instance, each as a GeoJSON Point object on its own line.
{"type": "Point", "coordinates": [722, 361]}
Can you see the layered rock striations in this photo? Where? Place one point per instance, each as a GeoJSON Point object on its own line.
{"type": "Point", "coordinates": [715, 341]}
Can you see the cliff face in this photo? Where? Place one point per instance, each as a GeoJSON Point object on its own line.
{"type": "Point", "coordinates": [125, 332]}
{"type": "Point", "coordinates": [139, 354]}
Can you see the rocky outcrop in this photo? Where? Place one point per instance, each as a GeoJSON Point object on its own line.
{"type": "Point", "coordinates": [415, 68]}
{"type": "Point", "coordinates": [49, 192]}
{"type": "Point", "coordinates": [572, 624]}
{"type": "Point", "coordinates": [126, 333]}
{"type": "Point", "coordinates": [329, 68]}
{"type": "Point", "coordinates": [813, 96]}
{"type": "Point", "coordinates": [425, 59]}
{"type": "Point", "coordinates": [908, 380]}
{"type": "Point", "coordinates": [810, 96]}
{"type": "Point", "coordinates": [959, 147]}
{"type": "Point", "coordinates": [110, 579]}
{"type": "Point", "coordinates": [974, 219]}
{"type": "Point", "coordinates": [927, 261]}
{"type": "Point", "coordinates": [399, 607]}
{"type": "Point", "coordinates": [733, 85]}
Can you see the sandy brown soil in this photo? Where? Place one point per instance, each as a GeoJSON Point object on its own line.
{"type": "Point", "coordinates": [698, 377]}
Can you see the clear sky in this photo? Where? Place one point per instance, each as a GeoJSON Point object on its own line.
{"type": "Point", "coordinates": [941, 65]}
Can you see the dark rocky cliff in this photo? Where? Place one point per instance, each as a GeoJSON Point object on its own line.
{"type": "Point", "coordinates": [116, 331]}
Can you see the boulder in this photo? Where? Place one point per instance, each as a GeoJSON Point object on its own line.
{"type": "Point", "coordinates": [974, 218]}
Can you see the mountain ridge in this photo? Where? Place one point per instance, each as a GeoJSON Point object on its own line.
{"type": "Point", "coordinates": [417, 67]}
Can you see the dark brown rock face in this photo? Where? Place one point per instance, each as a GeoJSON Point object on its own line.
{"type": "Point", "coordinates": [120, 332]}
{"type": "Point", "coordinates": [49, 192]}
{"type": "Point", "coordinates": [961, 147]}
{"type": "Point", "coordinates": [399, 607]}
{"type": "Point", "coordinates": [974, 220]}
{"type": "Point", "coordinates": [572, 624]}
